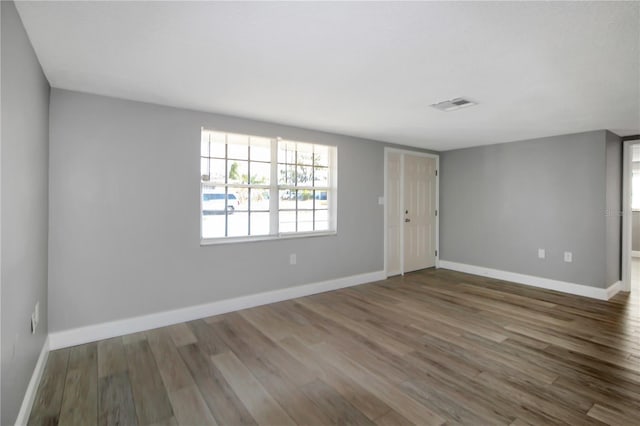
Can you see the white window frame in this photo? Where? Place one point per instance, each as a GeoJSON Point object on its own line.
{"type": "Point", "coordinates": [274, 196]}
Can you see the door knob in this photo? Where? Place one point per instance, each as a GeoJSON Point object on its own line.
{"type": "Point", "coordinates": [407, 220]}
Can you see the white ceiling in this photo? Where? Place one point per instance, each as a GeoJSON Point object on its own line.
{"type": "Point", "coordinates": [362, 69]}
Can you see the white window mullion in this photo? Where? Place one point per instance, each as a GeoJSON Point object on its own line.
{"type": "Point", "coordinates": [274, 196]}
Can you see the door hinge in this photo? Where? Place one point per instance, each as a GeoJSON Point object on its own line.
{"type": "Point", "coordinates": [436, 212]}
{"type": "Point", "coordinates": [436, 253]}
{"type": "Point", "coordinates": [436, 173]}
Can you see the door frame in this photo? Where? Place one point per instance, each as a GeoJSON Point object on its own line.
{"type": "Point", "coordinates": [403, 152]}
{"type": "Point", "coordinates": [627, 213]}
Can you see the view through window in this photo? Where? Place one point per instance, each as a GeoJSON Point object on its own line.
{"type": "Point", "coordinates": [255, 186]}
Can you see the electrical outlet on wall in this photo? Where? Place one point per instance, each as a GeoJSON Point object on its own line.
{"type": "Point", "coordinates": [541, 254]}
{"type": "Point", "coordinates": [292, 259]}
{"type": "Point", "coordinates": [568, 256]}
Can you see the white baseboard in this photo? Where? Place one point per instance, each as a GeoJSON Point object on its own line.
{"type": "Point", "coordinates": [635, 253]}
{"type": "Point", "coordinates": [92, 333]}
{"type": "Point", "coordinates": [30, 394]}
{"type": "Point", "coordinates": [613, 289]}
{"type": "Point", "coordinates": [531, 280]}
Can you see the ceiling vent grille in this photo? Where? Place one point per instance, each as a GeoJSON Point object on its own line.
{"type": "Point", "coordinates": [454, 104]}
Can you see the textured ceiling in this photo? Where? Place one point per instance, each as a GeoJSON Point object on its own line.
{"type": "Point", "coordinates": [362, 69]}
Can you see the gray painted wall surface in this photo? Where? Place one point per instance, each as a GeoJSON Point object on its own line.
{"type": "Point", "coordinates": [124, 214]}
{"type": "Point", "coordinates": [500, 203]}
{"type": "Point", "coordinates": [613, 207]}
{"type": "Point", "coordinates": [24, 192]}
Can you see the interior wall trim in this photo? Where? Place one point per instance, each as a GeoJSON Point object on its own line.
{"type": "Point", "coordinates": [534, 281]}
{"type": "Point", "coordinates": [613, 289]}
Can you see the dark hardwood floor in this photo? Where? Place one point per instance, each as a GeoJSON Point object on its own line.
{"type": "Point", "coordinates": [432, 347]}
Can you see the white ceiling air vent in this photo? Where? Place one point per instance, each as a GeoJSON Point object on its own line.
{"type": "Point", "coordinates": [453, 104]}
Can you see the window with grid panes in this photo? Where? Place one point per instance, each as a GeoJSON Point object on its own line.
{"type": "Point", "coordinates": [258, 187]}
{"type": "Point", "coordinates": [304, 187]}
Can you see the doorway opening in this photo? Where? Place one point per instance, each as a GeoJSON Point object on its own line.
{"type": "Point", "coordinates": [631, 217]}
{"type": "Point", "coordinates": [411, 211]}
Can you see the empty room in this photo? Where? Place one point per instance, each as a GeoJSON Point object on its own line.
{"type": "Point", "coordinates": [317, 213]}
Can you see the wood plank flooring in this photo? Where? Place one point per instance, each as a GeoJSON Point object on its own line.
{"type": "Point", "coordinates": [429, 348]}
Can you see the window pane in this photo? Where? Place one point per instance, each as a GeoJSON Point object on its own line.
{"type": "Point", "coordinates": [305, 221]}
{"type": "Point", "coordinates": [238, 223]}
{"type": "Point", "coordinates": [218, 141]}
{"type": "Point", "coordinates": [259, 223]}
{"type": "Point", "coordinates": [260, 173]}
{"type": "Point", "coordinates": [260, 149]}
{"type": "Point", "coordinates": [321, 225]}
{"type": "Point", "coordinates": [286, 152]}
{"type": "Point", "coordinates": [321, 157]}
{"type": "Point", "coordinates": [322, 215]}
{"type": "Point", "coordinates": [322, 199]}
{"type": "Point", "coordinates": [259, 199]}
{"type": "Point", "coordinates": [218, 150]}
{"type": "Point", "coordinates": [236, 198]}
{"type": "Point", "coordinates": [206, 187]}
{"type": "Point", "coordinates": [305, 153]}
{"type": "Point", "coordinates": [287, 221]}
{"type": "Point", "coordinates": [217, 171]}
{"type": "Point", "coordinates": [288, 199]}
{"type": "Point", "coordinates": [204, 146]}
{"type": "Point", "coordinates": [286, 174]}
{"type": "Point", "coordinates": [204, 169]}
{"type": "Point", "coordinates": [213, 225]}
{"type": "Point", "coordinates": [238, 172]}
{"type": "Point", "coordinates": [305, 157]}
{"type": "Point", "coordinates": [215, 201]}
{"type": "Point", "coordinates": [217, 137]}
{"type": "Point", "coordinates": [304, 176]}
{"type": "Point", "coordinates": [237, 147]}
{"type": "Point", "coordinates": [305, 199]}
{"type": "Point", "coordinates": [213, 144]}
{"type": "Point", "coordinates": [320, 176]}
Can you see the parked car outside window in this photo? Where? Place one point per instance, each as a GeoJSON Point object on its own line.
{"type": "Point", "coordinates": [219, 202]}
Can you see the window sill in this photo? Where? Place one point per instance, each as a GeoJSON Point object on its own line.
{"type": "Point", "coordinates": [234, 240]}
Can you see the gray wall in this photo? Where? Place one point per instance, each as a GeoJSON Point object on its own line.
{"type": "Point", "coordinates": [613, 218]}
{"type": "Point", "coordinates": [500, 203]}
{"type": "Point", "coordinates": [124, 214]}
{"type": "Point", "coordinates": [24, 194]}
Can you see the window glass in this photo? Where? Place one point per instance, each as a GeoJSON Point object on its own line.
{"type": "Point", "coordinates": [239, 198]}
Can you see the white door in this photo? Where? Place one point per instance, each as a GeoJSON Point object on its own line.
{"type": "Point", "coordinates": [411, 212]}
{"type": "Point", "coordinates": [419, 212]}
